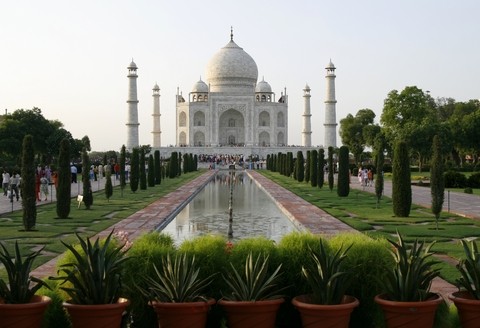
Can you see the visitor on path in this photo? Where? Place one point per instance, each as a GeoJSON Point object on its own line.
{"type": "Point", "coordinates": [14, 184]}
{"type": "Point", "coordinates": [44, 187]}
{"type": "Point", "coordinates": [5, 182]}
{"type": "Point", "coordinates": [37, 185]}
{"type": "Point", "coordinates": [73, 170]}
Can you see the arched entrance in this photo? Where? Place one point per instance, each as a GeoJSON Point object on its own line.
{"type": "Point", "coordinates": [231, 129]}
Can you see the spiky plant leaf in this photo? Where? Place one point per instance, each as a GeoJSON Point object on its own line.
{"type": "Point", "coordinates": [469, 269]}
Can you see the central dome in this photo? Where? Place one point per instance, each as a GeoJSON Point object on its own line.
{"type": "Point", "coordinates": [231, 69]}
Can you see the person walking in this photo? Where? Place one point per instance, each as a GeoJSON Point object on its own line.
{"type": "Point", "coordinates": [5, 182]}
{"type": "Point", "coordinates": [44, 187]}
{"type": "Point", "coordinates": [73, 170]}
{"type": "Point", "coordinates": [14, 184]}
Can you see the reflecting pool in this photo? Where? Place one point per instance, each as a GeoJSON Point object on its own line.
{"type": "Point", "coordinates": [254, 212]}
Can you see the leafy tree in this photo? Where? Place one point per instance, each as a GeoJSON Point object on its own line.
{"type": "Point", "coordinates": [86, 143]}
{"type": "Point", "coordinates": [64, 180]}
{"type": "Point", "coordinates": [437, 180]}
{"type": "Point", "coordinates": [307, 167]}
{"type": "Point", "coordinates": [135, 168]}
{"type": "Point", "coordinates": [321, 166]}
{"type": "Point", "coordinates": [300, 167]}
{"type": "Point", "coordinates": [28, 184]}
{"type": "Point", "coordinates": [123, 183]}
{"type": "Point", "coordinates": [314, 168]}
{"type": "Point", "coordinates": [331, 168]}
{"type": "Point", "coordinates": [379, 162]}
{"type": "Point", "coordinates": [401, 181]}
{"type": "Point", "coordinates": [108, 186]}
{"type": "Point", "coordinates": [343, 183]}
{"type": "Point", "coordinates": [410, 116]}
{"type": "Point", "coordinates": [87, 188]}
{"type": "Point", "coordinates": [359, 131]}
{"type": "Point", "coordinates": [143, 170]}
{"type": "Point", "coordinates": [158, 169]}
{"type": "Point", "coordinates": [151, 171]}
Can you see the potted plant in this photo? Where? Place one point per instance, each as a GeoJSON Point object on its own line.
{"type": "Point", "coordinates": [467, 299]}
{"type": "Point", "coordinates": [407, 300]}
{"type": "Point", "coordinates": [327, 303]}
{"type": "Point", "coordinates": [252, 299]}
{"type": "Point", "coordinates": [19, 306]}
{"type": "Point", "coordinates": [93, 283]}
{"type": "Point", "coordinates": [176, 292]}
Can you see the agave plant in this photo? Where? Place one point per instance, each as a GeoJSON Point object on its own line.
{"type": "Point", "coordinates": [325, 276]}
{"type": "Point", "coordinates": [94, 277]}
{"type": "Point", "coordinates": [411, 278]}
{"type": "Point", "coordinates": [21, 286]}
{"type": "Point", "coordinates": [177, 282]}
{"type": "Point", "coordinates": [470, 269]}
{"type": "Point", "coordinates": [256, 284]}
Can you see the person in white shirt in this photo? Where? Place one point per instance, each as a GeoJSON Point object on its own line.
{"type": "Point", "coordinates": [5, 182]}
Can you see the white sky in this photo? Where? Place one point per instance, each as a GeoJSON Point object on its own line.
{"type": "Point", "coordinates": [70, 58]}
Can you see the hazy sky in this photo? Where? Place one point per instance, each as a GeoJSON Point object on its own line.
{"type": "Point", "coordinates": [70, 58]}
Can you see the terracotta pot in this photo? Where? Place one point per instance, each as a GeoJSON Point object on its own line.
{"type": "Point", "coordinates": [182, 315]}
{"type": "Point", "coordinates": [317, 315]}
{"type": "Point", "coordinates": [409, 314]}
{"type": "Point", "coordinates": [99, 315]}
{"type": "Point", "coordinates": [28, 315]}
{"type": "Point", "coordinates": [468, 308]}
{"type": "Point", "coordinates": [259, 314]}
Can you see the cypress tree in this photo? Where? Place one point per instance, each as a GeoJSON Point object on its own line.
{"type": "Point", "coordinates": [289, 164]}
{"type": "Point", "coordinates": [108, 186]}
{"type": "Point", "coordinates": [437, 179]}
{"type": "Point", "coordinates": [343, 183]}
{"type": "Point", "coordinates": [151, 171]}
{"type": "Point", "coordinates": [158, 169]}
{"type": "Point", "coordinates": [87, 188]}
{"type": "Point", "coordinates": [123, 182]}
{"type": "Point", "coordinates": [307, 167]}
{"type": "Point", "coordinates": [295, 169]}
{"type": "Point", "coordinates": [191, 163]}
{"type": "Point", "coordinates": [300, 167]}
{"type": "Point", "coordinates": [401, 181]}
{"type": "Point", "coordinates": [64, 180]}
{"type": "Point", "coordinates": [314, 168]}
{"type": "Point", "coordinates": [186, 163]}
{"type": "Point", "coordinates": [173, 165]}
{"type": "Point", "coordinates": [143, 170]}
{"type": "Point", "coordinates": [28, 184]}
{"type": "Point", "coordinates": [179, 166]}
{"type": "Point", "coordinates": [379, 162]}
{"type": "Point", "coordinates": [268, 162]}
{"type": "Point", "coordinates": [135, 168]}
{"type": "Point", "coordinates": [195, 162]}
{"type": "Point", "coordinates": [331, 169]}
{"type": "Point", "coordinates": [321, 166]}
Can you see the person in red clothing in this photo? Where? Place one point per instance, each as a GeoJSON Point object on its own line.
{"type": "Point", "coordinates": [116, 168]}
{"type": "Point", "coordinates": [37, 185]}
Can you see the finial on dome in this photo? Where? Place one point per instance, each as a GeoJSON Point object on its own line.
{"type": "Point", "coordinates": [231, 33]}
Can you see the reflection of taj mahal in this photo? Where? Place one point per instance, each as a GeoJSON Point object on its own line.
{"type": "Point", "coordinates": [233, 109]}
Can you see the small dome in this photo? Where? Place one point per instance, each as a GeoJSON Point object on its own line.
{"type": "Point", "coordinates": [263, 87]}
{"type": "Point", "coordinates": [200, 86]}
{"type": "Point", "coordinates": [231, 68]}
{"type": "Point", "coordinates": [156, 87]}
{"type": "Point", "coordinates": [330, 65]}
{"type": "Point", "coordinates": [132, 65]}
{"type": "Point", "coordinates": [307, 87]}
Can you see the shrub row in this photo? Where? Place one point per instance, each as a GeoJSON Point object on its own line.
{"type": "Point", "coordinates": [455, 179]}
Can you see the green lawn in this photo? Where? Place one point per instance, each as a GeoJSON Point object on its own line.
{"type": "Point", "coordinates": [360, 211]}
{"type": "Point", "coordinates": [103, 214]}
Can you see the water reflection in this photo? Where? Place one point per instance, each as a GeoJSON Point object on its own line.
{"type": "Point", "coordinates": [254, 213]}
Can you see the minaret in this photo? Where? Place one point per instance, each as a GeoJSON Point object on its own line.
{"type": "Point", "coordinates": [307, 126]}
{"type": "Point", "coordinates": [132, 121]}
{"type": "Point", "coordinates": [156, 117]}
{"type": "Point", "coordinates": [330, 109]}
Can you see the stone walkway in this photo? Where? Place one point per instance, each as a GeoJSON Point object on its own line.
{"type": "Point", "coordinates": [302, 213]}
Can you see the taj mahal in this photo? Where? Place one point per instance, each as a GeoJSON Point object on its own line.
{"type": "Point", "coordinates": [232, 112]}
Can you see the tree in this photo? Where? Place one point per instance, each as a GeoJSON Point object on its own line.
{"type": "Point", "coordinates": [108, 186]}
{"type": "Point", "coordinates": [379, 162]}
{"type": "Point", "coordinates": [87, 188]}
{"type": "Point", "coordinates": [437, 179]}
{"type": "Point", "coordinates": [343, 183]}
{"type": "Point", "coordinates": [158, 169]}
{"type": "Point", "coordinates": [134, 174]}
{"type": "Point", "coordinates": [401, 181]}
{"type": "Point", "coordinates": [64, 180]}
{"type": "Point", "coordinates": [321, 168]}
{"type": "Point", "coordinates": [300, 166]}
{"type": "Point", "coordinates": [86, 143]}
{"type": "Point", "coordinates": [123, 160]}
{"type": "Point", "coordinates": [289, 164]}
{"type": "Point", "coordinates": [28, 184]}
{"type": "Point", "coordinates": [331, 168]}
{"type": "Point", "coordinates": [358, 131]}
{"type": "Point", "coordinates": [173, 165]}
{"type": "Point", "coordinates": [314, 168]}
{"type": "Point", "coordinates": [151, 171]}
{"type": "Point", "coordinates": [307, 167]}
{"type": "Point", "coordinates": [143, 170]}
{"type": "Point", "coordinates": [186, 163]}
